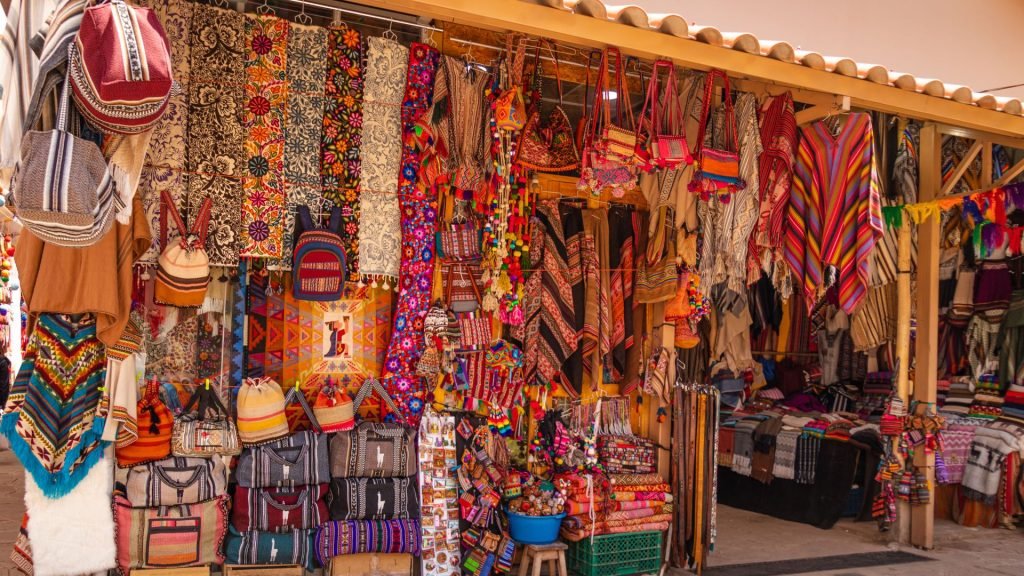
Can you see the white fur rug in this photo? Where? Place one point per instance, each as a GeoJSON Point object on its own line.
{"type": "Point", "coordinates": [73, 535]}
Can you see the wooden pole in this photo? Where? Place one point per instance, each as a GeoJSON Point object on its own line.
{"type": "Point", "coordinates": [903, 313]}
{"type": "Point", "coordinates": [926, 350]}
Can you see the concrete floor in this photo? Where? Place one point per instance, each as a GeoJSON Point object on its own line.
{"type": "Point", "coordinates": [743, 538]}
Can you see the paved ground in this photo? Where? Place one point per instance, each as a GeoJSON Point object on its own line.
{"type": "Point", "coordinates": [744, 538]}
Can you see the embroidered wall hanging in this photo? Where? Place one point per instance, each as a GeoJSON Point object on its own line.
{"type": "Point", "coordinates": [439, 496]}
{"type": "Point", "coordinates": [256, 312]}
{"type": "Point", "coordinates": [215, 147]}
{"type": "Point", "coordinates": [342, 135]}
{"type": "Point", "coordinates": [307, 66]}
{"type": "Point", "coordinates": [165, 160]}
{"type": "Point", "coordinates": [263, 117]}
{"type": "Point", "coordinates": [380, 156]}
{"type": "Point", "coordinates": [419, 215]}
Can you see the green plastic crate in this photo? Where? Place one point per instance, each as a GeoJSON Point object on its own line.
{"type": "Point", "coordinates": [616, 554]}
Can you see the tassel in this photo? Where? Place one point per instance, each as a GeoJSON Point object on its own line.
{"type": "Point", "coordinates": [154, 420]}
{"type": "Point", "coordinates": [893, 217]}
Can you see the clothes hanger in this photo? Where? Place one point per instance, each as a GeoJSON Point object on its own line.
{"type": "Point", "coordinates": [302, 17]}
{"type": "Point", "coordinates": [265, 9]}
{"type": "Point", "coordinates": [390, 32]}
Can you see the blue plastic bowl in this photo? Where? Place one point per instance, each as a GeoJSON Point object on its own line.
{"type": "Point", "coordinates": [534, 529]}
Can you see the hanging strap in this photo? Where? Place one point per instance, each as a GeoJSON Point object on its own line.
{"type": "Point", "coordinates": [538, 69]}
{"type": "Point", "coordinates": [730, 119]}
{"type": "Point", "coordinates": [600, 104]}
{"type": "Point", "coordinates": [651, 99]}
{"type": "Point", "coordinates": [622, 101]}
{"type": "Point", "coordinates": [200, 226]}
{"type": "Point", "coordinates": [207, 399]}
{"type": "Point", "coordinates": [65, 92]}
{"type": "Point", "coordinates": [296, 395]}
{"type": "Point", "coordinates": [334, 223]}
{"type": "Point", "coordinates": [515, 48]}
{"type": "Point", "coordinates": [371, 385]}
{"type": "Point", "coordinates": [306, 218]}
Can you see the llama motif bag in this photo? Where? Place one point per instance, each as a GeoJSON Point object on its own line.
{"type": "Point", "coordinates": [372, 449]}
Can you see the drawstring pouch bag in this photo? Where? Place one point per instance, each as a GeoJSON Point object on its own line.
{"type": "Point", "coordinates": [121, 68]}
{"type": "Point", "coordinates": [183, 268]}
{"type": "Point", "coordinates": [510, 107]}
{"type": "Point", "coordinates": [718, 170]}
{"type": "Point", "coordinates": [62, 189]}
{"type": "Point", "coordinates": [261, 416]}
{"type": "Point", "coordinates": [155, 424]}
{"type": "Point", "coordinates": [333, 408]}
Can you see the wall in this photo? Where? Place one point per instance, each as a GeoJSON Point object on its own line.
{"type": "Point", "coordinates": [975, 43]}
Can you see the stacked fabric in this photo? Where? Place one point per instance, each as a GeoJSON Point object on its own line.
{"type": "Point", "coordinates": [625, 454]}
{"type": "Point", "coordinates": [989, 384]}
{"type": "Point", "coordinates": [986, 406]}
{"type": "Point", "coordinates": [281, 497]}
{"type": "Point", "coordinates": [743, 443]}
{"type": "Point", "coordinates": [762, 462]}
{"type": "Point", "coordinates": [992, 443]}
{"type": "Point", "coordinates": [1013, 404]}
{"type": "Point", "coordinates": [839, 428]}
{"type": "Point", "coordinates": [635, 503]}
{"type": "Point", "coordinates": [956, 447]}
{"type": "Point", "coordinates": [374, 496]}
{"type": "Point", "coordinates": [960, 397]}
{"type": "Point", "coordinates": [816, 428]}
{"type": "Point", "coordinates": [941, 392]}
{"type": "Point", "coordinates": [726, 438]}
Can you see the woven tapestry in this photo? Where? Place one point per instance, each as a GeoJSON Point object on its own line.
{"type": "Point", "coordinates": [342, 134]}
{"type": "Point", "coordinates": [165, 160]}
{"type": "Point", "coordinates": [256, 311]}
{"type": "Point", "coordinates": [266, 103]}
{"type": "Point", "coordinates": [419, 214]}
{"type": "Point", "coordinates": [380, 156]}
{"type": "Point", "coordinates": [306, 70]}
{"type": "Point", "coordinates": [215, 147]}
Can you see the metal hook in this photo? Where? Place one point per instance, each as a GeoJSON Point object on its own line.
{"type": "Point", "coordinates": [303, 18]}
{"type": "Point", "coordinates": [264, 9]}
{"type": "Point", "coordinates": [390, 33]}
{"type": "Point", "coordinates": [222, 4]}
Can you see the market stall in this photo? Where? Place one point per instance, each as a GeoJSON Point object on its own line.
{"type": "Point", "coordinates": [355, 288]}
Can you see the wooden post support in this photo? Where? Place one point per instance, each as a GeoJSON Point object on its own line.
{"type": "Point", "coordinates": [903, 319]}
{"type": "Point", "coordinates": [929, 237]}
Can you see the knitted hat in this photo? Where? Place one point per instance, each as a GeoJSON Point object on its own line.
{"type": "Point", "coordinates": [261, 416]}
{"type": "Point", "coordinates": [121, 71]}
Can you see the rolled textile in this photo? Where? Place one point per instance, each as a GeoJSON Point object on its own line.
{"type": "Point", "coordinates": [338, 538]}
{"type": "Point", "coordinates": [635, 479]}
{"type": "Point", "coordinates": [648, 496]}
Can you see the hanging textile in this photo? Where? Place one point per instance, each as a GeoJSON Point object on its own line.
{"type": "Point", "coordinates": [418, 203]}
{"type": "Point", "coordinates": [341, 137]}
{"type": "Point", "coordinates": [596, 337]}
{"type": "Point", "coordinates": [215, 143]}
{"type": "Point", "coordinates": [834, 217]}
{"type": "Point", "coordinates": [624, 227]}
{"type": "Point", "coordinates": [440, 514]}
{"type": "Point", "coordinates": [549, 333]}
{"type": "Point", "coordinates": [743, 211]}
{"type": "Point", "coordinates": [266, 105]}
{"type": "Point", "coordinates": [380, 156]}
{"type": "Point", "coordinates": [778, 136]}
{"type": "Point", "coordinates": [50, 413]}
{"type": "Point", "coordinates": [307, 68]}
{"type": "Point", "coordinates": [256, 315]}
{"type": "Point", "coordinates": [695, 473]}
{"type": "Point", "coordinates": [239, 350]}
{"type": "Point", "coordinates": [165, 160]}
{"type": "Point", "coordinates": [469, 148]}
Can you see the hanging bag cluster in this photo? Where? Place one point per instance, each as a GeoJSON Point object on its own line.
{"type": "Point", "coordinates": [183, 268]}
{"type": "Point", "coordinates": [666, 147]}
{"type": "Point", "coordinates": [205, 428]}
{"type": "Point", "coordinates": [609, 159]}
{"type": "Point", "coordinates": [718, 169]}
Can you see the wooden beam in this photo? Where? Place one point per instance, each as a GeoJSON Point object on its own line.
{"type": "Point", "coordinates": [986, 165]}
{"type": "Point", "coordinates": [961, 168]}
{"type": "Point", "coordinates": [960, 131]}
{"type": "Point", "coordinates": [813, 114]}
{"type": "Point", "coordinates": [564, 26]}
{"type": "Point", "coordinates": [926, 347]}
{"type": "Point", "coordinates": [903, 309]}
{"type": "Point", "coordinates": [1009, 175]}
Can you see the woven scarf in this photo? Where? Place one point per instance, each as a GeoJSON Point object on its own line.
{"type": "Point", "coordinates": [785, 455]}
{"type": "Point", "coordinates": [807, 447]}
{"type": "Point", "coordinates": [256, 314]}
{"type": "Point", "coordinates": [418, 202]}
{"type": "Point", "coordinates": [165, 161]}
{"type": "Point", "coordinates": [623, 226]}
{"type": "Point", "coordinates": [51, 411]}
{"type": "Point", "coordinates": [341, 136]}
{"type": "Point", "coordinates": [549, 331]}
{"type": "Point", "coordinates": [266, 104]}
{"type": "Point", "coordinates": [380, 157]}
{"type": "Point", "coordinates": [215, 146]}
{"type": "Point", "coordinates": [597, 321]}
{"type": "Point", "coordinates": [307, 67]}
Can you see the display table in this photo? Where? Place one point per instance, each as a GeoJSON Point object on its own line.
{"type": "Point", "coordinates": [820, 504]}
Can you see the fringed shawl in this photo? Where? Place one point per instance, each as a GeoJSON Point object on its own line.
{"type": "Point", "coordinates": [51, 413]}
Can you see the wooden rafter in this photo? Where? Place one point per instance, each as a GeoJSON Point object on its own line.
{"type": "Point", "coordinates": [1010, 174]}
{"type": "Point", "coordinates": [961, 168]}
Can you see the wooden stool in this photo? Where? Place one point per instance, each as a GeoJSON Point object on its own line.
{"type": "Point", "coordinates": [553, 554]}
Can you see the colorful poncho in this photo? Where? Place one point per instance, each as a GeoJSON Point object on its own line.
{"type": "Point", "coordinates": [51, 413]}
